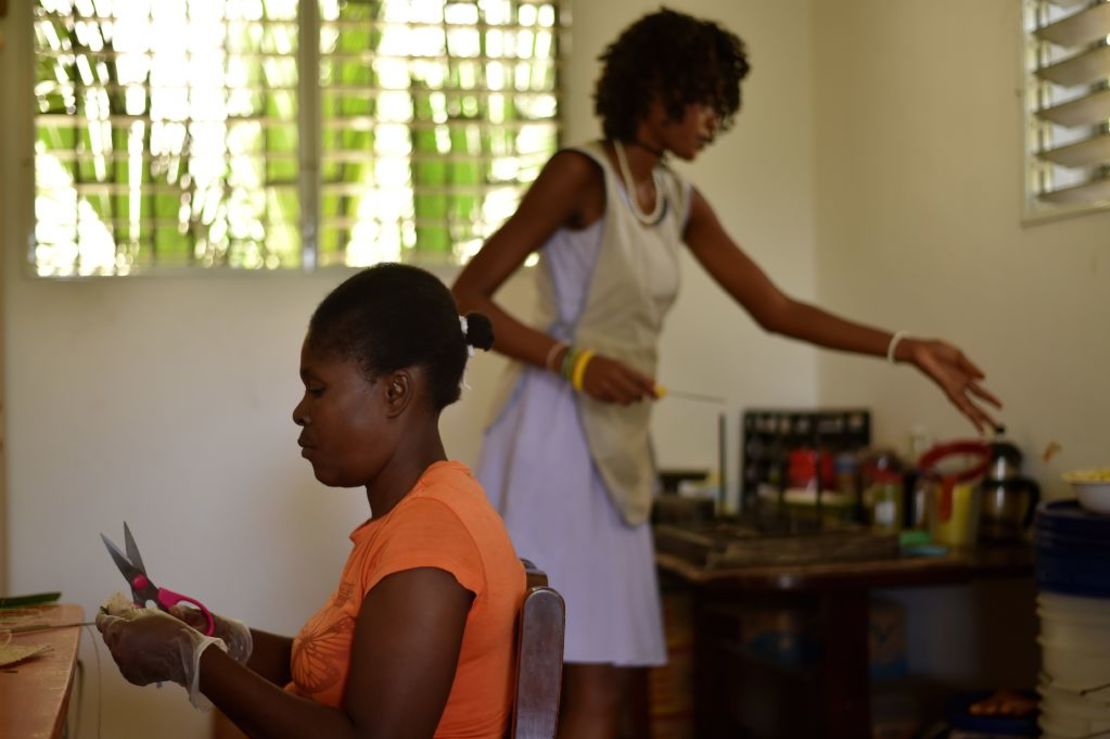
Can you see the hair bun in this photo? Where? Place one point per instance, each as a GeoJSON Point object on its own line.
{"type": "Point", "coordinates": [479, 331]}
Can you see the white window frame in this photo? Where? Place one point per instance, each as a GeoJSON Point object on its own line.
{"type": "Point", "coordinates": [1052, 189]}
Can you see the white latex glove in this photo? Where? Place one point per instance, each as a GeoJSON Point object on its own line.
{"type": "Point", "coordinates": [235, 633]}
{"type": "Point", "coordinates": [150, 646]}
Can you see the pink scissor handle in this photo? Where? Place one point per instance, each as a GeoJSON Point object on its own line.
{"type": "Point", "coordinates": [167, 599]}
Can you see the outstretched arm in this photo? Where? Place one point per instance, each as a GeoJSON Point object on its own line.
{"type": "Point", "coordinates": [777, 312]}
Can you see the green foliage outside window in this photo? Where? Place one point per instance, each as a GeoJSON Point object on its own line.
{"type": "Point", "coordinates": [169, 132]}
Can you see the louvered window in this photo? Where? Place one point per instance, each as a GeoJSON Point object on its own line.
{"type": "Point", "coordinates": [267, 134]}
{"type": "Point", "coordinates": [1068, 84]}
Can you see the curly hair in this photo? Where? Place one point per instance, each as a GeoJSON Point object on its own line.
{"type": "Point", "coordinates": [677, 56]}
{"type": "Point", "coordinates": [393, 316]}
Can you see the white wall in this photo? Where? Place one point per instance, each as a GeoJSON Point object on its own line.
{"type": "Point", "coordinates": [166, 402]}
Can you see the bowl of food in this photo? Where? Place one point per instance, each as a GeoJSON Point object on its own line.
{"type": "Point", "coordinates": [1092, 488]}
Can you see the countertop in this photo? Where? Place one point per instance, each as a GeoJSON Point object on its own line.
{"type": "Point", "coordinates": [34, 693]}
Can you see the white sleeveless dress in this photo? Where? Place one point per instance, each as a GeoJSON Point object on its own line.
{"type": "Point", "coordinates": [538, 469]}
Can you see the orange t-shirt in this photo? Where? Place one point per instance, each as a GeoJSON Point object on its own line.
{"type": "Point", "coordinates": [445, 522]}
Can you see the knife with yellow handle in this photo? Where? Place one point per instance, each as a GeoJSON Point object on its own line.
{"type": "Point", "coordinates": [662, 392]}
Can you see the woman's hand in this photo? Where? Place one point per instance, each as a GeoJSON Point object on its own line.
{"type": "Point", "coordinates": [611, 381]}
{"type": "Point", "coordinates": [960, 380]}
{"type": "Point", "coordinates": [235, 633]}
{"type": "Point", "coordinates": [150, 646]}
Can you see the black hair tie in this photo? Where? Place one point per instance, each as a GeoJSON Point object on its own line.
{"type": "Point", "coordinates": [477, 330]}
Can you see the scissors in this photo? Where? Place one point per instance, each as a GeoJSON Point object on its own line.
{"type": "Point", "coordinates": [142, 589]}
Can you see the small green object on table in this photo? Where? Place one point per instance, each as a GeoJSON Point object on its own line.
{"type": "Point", "coordinates": [918, 543]}
{"type": "Point", "coordinates": [33, 599]}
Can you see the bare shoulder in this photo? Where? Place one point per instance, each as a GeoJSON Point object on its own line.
{"type": "Point", "coordinates": [574, 176]}
{"type": "Point", "coordinates": [702, 218]}
{"type": "Point", "coordinates": [573, 167]}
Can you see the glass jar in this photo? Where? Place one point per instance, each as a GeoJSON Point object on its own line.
{"type": "Point", "coordinates": [884, 501]}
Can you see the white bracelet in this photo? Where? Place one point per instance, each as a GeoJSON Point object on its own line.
{"type": "Point", "coordinates": [552, 353]}
{"type": "Point", "coordinates": [893, 345]}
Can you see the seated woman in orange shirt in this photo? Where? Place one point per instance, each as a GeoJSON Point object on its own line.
{"type": "Point", "coordinates": [417, 640]}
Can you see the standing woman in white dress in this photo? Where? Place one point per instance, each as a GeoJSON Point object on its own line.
{"type": "Point", "coordinates": [566, 459]}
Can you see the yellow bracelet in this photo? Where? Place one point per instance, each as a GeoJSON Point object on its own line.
{"type": "Point", "coordinates": [579, 373]}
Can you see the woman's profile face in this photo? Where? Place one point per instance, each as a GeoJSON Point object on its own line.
{"type": "Point", "coordinates": [342, 419]}
{"type": "Point", "coordinates": [684, 137]}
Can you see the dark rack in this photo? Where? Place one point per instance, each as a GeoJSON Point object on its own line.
{"type": "Point", "coordinates": [767, 436]}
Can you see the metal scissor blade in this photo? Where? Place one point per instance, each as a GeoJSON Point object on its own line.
{"type": "Point", "coordinates": [132, 548]}
{"type": "Point", "coordinates": [128, 570]}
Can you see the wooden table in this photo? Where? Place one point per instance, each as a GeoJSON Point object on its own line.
{"type": "Point", "coordinates": [34, 694]}
{"type": "Point", "coordinates": [839, 594]}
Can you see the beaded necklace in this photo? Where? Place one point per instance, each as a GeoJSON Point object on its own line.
{"type": "Point", "coordinates": [648, 219]}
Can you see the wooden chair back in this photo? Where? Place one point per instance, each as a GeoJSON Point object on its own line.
{"type": "Point", "coordinates": [539, 659]}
